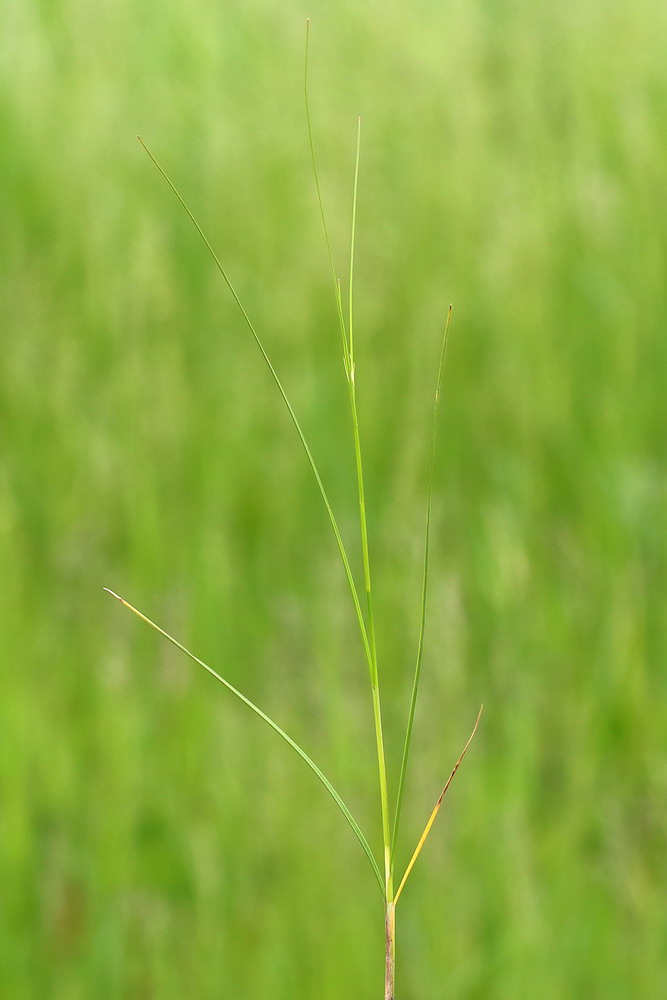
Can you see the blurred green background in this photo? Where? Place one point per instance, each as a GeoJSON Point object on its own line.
{"type": "Point", "coordinates": [156, 840]}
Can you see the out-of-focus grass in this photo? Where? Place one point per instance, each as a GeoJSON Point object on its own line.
{"type": "Point", "coordinates": [155, 842]}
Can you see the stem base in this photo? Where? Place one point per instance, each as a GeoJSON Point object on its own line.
{"type": "Point", "coordinates": [390, 951]}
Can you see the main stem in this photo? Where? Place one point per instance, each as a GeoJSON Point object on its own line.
{"type": "Point", "coordinates": [348, 343]}
{"type": "Point", "coordinates": [372, 648]}
{"type": "Point", "coordinates": [390, 921]}
{"type": "Point", "coordinates": [373, 666]}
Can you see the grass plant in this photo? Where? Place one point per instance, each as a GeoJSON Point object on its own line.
{"type": "Point", "coordinates": [384, 871]}
{"type": "Point", "coordinates": [155, 842]}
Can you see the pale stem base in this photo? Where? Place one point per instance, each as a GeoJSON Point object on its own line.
{"type": "Point", "coordinates": [390, 951]}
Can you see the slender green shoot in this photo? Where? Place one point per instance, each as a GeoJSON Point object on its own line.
{"type": "Point", "coordinates": [311, 143]}
{"type": "Point", "coordinates": [431, 819]}
{"type": "Point", "coordinates": [363, 525]}
{"type": "Point", "coordinates": [274, 725]}
{"type": "Point", "coordinates": [424, 592]}
{"type": "Point", "coordinates": [350, 326]}
{"type": "Point", "coordinates": [347, 334]}
{"type": "Point", "coordinates": [295, 421]}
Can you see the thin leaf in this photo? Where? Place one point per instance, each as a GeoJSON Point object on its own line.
{"type": "Point", "coordinates": [311, 143]}
{"type": "Point", "coordinates": [424, 592]}
{"type": "Point", "coordinates": [276, 379]}
{"type": "Point", "coordinates": [431, 821]}
{"type": "Point", "coordinates": [274, 725]}
{"type": "Point", "coordinates": [353, 238]}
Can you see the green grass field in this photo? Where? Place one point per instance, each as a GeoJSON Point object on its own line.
{"type": "Point", "coordinates": [156, 841]}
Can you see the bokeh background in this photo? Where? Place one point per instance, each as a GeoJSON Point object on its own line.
{"type": "Point", "coordinates": [156, 840]}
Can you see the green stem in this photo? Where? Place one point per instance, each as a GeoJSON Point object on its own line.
{"type": "Point", "coordinates": [347, 336]}
{"type": "Point", "coordinates": [370, 616]}
{"type": "Point", "coordinates": [373, 664]}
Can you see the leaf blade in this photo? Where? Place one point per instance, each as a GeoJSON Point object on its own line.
{"type": "Point", "coordinates": [302, 437]}
{"type": "Point", "coordinates": [424, 593]}
{"type": "Point", "coordinates": [431, 820]}
{"type": "Point", "coordinates": [276, 728]}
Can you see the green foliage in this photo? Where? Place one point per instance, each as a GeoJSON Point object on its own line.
{"type": "Point", "coordinates": [513, 165]}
